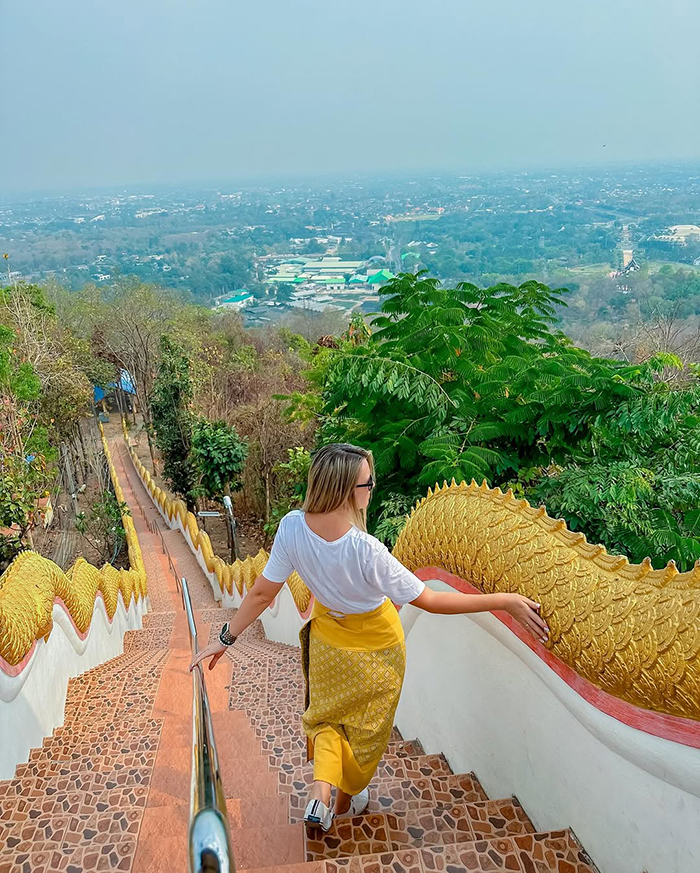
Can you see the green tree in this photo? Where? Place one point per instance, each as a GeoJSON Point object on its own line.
{"type": "Point", "coordinates": [478, 383]}
{"type": "Point", "coordinates": [173, 420]}
{"type": "Point", "coordinates": [102, 525]}
{"type": "Point", "coordinates": [292, 479]}
{"type": "Point", "coordinates": [127, 322]}
{"type": "Point", "coordinates": [24, 475]}
{"type": "Point", "coordinates": [218, 456]}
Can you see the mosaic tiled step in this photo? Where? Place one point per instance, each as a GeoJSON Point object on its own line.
{"type": "Point", "coordinates": [280, 746]}
{"type": "Point", "coordinates": [256, 644]}
{"type": "Point", "coordinates": [105, 698]}
{"type": "Point", "coordinates": [105, 764]}
{"type": "Point", "coordinates": [258, 711]}
{"type": "Point", "coordinates": [547, 852]}
{"type": "Point", "coordinates": [143, 640]}
{"type": "Point", "coordinates": [217, 614]}
{"type": "Point", "coordinates": [105, 709]}
{"type": "Point", "coordinates": [132, 672]}
{"type": "Point", "coordinates": [295, 754]}
{"type": "Point", "coordinates": [405, 748]}
{"type": "Point", "coordinates": [261, 703]}
{"type": "Point", "coordinates": [292, 748]}
{"type": "Point", "coordinates": [285, 669]}
{"type": "Point", "coordinates": [271, 670]}
{"type": "Point", "coordinates": [99, 715]}
{"type": "Point", "coordinates": [262, 669]}
{"type": "Point", "coordinates": [401, 795]}
{"type": "Point", "coordinates": [96, 785]}
{"type": "Point", "coordinates": [392, 832]}
{"type": "Point", "coordinates": [283, 718]}
{"type": "Point", "coordinates": [113, 857]}
{"type": "Point", "coordinates": [307, 867]}
{"type": "Point", "coordinates": [87, 733]}
{"type": "Point", "coordinates": [405, 794]}
{"type": "Point", "coordinates": [102, 710]}
{"type": "Point", "coordinates": [552, 852]}
{"type": "Point", "coordinates": [50, 831]}
{"type": "Point", "coordinates": [119, 666]}
{"type": "Point", "coordinates": [159, 619]}
{"type": "Point", "coordinates": [71, 802]}
{"type": "Point", "coordinates": [134, 667]}
{"type": "Point", "coordinates": [115, 748]}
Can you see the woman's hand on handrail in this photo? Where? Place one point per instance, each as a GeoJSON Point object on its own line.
{"type": "Point", "coordinates": [254, 604]}
{"type": "Point", "coordinates": [214, 651]}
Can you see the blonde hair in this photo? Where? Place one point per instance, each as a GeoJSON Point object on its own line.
{"type": "Point", "coordinates": [332, 480]}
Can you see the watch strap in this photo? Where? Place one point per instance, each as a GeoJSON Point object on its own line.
{"type": "Point", "coordinates": [226, 638]}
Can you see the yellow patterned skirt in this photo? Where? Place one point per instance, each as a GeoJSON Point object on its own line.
{"type": "Point", "coordinates": [354, 668]}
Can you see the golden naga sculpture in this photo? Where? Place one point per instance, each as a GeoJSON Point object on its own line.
{"type": "Point", "coordinates": [32, 583]}
{"type": "Point", "coordinates": [629, 629]}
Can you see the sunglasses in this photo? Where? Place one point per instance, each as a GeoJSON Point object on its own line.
{"type": "Point", "coordinates": [368, 485]}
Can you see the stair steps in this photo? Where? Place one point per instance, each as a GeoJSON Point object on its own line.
{"type": "Point", "coordinates": [108, 791]}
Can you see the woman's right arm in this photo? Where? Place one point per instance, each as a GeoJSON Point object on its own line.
{"type": "Point", "coordinates": [254, 604]}
{"type": "Point", "coordinates": [279, 566]}
{"type": "Point", "coordinates": [455, 603]}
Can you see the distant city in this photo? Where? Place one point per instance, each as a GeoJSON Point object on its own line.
{"type": "Point", "coordinates": [273, 250]}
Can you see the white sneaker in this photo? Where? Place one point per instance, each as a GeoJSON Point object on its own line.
{"type": "Point", "coordinates": [318, 815]}
{"type": "Point", "coordinates": [358, 805]}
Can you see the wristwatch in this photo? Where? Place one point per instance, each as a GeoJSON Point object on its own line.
{"type": "Point", "coordinates": [226, 638]}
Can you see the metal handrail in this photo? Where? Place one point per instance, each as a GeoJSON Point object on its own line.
{"type": "Point", "coordinates": [209, 844]}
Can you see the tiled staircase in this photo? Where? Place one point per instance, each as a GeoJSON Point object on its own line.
{"type": "Point", "coordinates": [421, 817]}
{"type": "Point", "coordinates": [77, 803]}
{"type": "Point", "coordinates": [109, 791]}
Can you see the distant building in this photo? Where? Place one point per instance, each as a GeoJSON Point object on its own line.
{"type": "Point", "coordinates": [380, 278]}
{"type": "Point", "coordinates": [629, 265]}
{"type": "Point", "coordinates": [333, 272]}
{"type": "Point", "coordinates": [241, 298]}
{"type": "Point", "coordinates": [679, 233]}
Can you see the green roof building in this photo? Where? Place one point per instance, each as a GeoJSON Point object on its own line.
{"type": "Point", "coordinates": [240, 298]}
{"type": "Point", "coordinates": [380, 278]}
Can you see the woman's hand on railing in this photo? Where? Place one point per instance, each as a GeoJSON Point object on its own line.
{"type": "Point", "coordinates": [214, 651]}
{"type": "Point", "coordinates": [524, 610]}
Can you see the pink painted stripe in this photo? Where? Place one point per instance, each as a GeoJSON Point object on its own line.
{"type": "Point", "coordinates": [685, 731]}
{"type": "Point", "coordinates": [15, 670]}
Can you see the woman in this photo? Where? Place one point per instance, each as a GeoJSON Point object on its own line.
{"type": "Point", "coordinates": [353, 649]}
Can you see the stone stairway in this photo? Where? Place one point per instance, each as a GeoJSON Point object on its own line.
{"type": "Point", "coordinates": [109, 790]}
{"type": "Point", "coordinates": [421, 816]}
{"type": "Point", "coordinates": [78, 802]}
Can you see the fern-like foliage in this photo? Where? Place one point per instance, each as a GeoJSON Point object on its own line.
{"type": "Point", "coordinates": [472, 382]}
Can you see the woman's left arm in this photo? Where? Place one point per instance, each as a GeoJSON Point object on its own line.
{"type": "Point", "coordinates": [455, 603]}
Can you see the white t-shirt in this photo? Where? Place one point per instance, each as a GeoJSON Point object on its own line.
{"type": "Point", "coordinates": [352, 574]}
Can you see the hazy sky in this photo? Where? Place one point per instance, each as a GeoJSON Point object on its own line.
{"type": "Point", "coordinates": [107, 92]}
